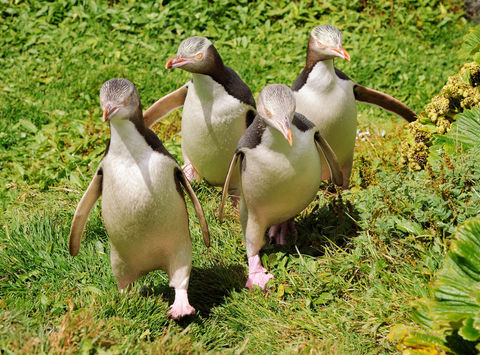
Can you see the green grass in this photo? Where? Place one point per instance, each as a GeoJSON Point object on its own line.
{"type": "Point", "coordinates": [357, 262]}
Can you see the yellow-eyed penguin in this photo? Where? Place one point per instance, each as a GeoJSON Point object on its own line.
{"type": "Point", "coordinates": [326, 96]}
{"type": "Point", "coordinates": [280, 171]}
{"type": "Point", "coordinates": [143, 205]}
{"type": "Point", "coordinates": [217, 108]}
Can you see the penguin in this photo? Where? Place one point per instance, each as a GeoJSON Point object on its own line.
{"type": "Point", "coordinates": [280, 171]}
{"type": "Point", "coordinates": [327, 97]}
{"type": "Point", "coordinates": [217, 108]}
{"type": "Point", "coordinates": [143, 206]}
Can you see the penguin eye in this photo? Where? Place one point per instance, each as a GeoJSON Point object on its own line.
{"type": "Point", "coordinates": [199, 56]}
{"type": "Point", "coordinates": [268, 113]}
{"type": "Point", "coordinates": [127, 100]}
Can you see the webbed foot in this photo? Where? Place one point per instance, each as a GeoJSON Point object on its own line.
{"type": "Point", "coordinates": [180, 307]}
{"type": "Point", "coordinates": [257, 274]}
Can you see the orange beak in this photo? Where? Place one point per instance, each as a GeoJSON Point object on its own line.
{"type": "Point", "coordinates": [108, 112]}
{"type": "Point", "coordinates": [177, 62]}
{"type": "Point", "coordinates": [289, 137]}
{"type": "Point", "coordinates": [284, 128]}
{"type": "Point", "coordinates": [342, 53]}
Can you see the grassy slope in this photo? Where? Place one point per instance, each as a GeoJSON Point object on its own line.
{"type": "Point", "coordinates": [357, 265]}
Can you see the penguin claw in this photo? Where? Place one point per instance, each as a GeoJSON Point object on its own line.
{"type": "Point", "coordinates": [259, 279]}
{"type": "Point", "coordinates": [180, 310]}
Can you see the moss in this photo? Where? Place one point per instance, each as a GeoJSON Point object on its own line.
{"type": "Point", "coordinates": [460, 93]}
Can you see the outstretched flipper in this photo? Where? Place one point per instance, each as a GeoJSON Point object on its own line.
{"type": "Point", "coordinates": [331, 158]}
{"type": "Point", "coordinates": [165, 105]}
{"type": "Point", "coordinates": [233, 164]}
{"type": "Point", "coordinates": [82, 212]}
{"type": "Point", "coordinates": [196, 204]}
{"type": "Point", "coordinates": [385, 101]}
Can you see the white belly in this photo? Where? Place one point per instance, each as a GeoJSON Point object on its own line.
{"type": "Point", "coordinates": [280, 181]}
{"type": "Point", "coordinates": [331, 106]}
{"type": "Point", "coordinates": [144, 214]}
{"type": "Point", "coordinates": [212, 125]}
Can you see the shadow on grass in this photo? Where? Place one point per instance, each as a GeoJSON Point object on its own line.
{"type": "Point", "coordinates": [208, 288]}
{"type": "Point", "coordinates": [331, 224]}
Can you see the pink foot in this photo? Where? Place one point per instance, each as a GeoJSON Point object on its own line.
{"type": "Point", "coordinates": [180, 307]}
{"type": "Point", "coordinates": [190, 171]}
{"type": "Point", "coordinates": [278, 232]}
{"type": "Point", "coordinates": [257, 274]}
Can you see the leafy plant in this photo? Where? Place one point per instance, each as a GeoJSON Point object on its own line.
{"type": "Point", "coordinates": [451, 315]}
{"type": "Point", "coordinates": [459, 93]}
{"type": "Point", "coordinates": [464, 134]}
{"type": "Point", "coordinates": [471, 45]}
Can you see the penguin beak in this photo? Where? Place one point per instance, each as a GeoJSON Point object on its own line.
{"type": "Point", "coordinates": [177, 62]}
{"type": "Point", "coordinates": [342, 53]}
{"type": "Point", "coordinates": [284, 128]}
{"type": "Point", "coordinates": [109, 111]}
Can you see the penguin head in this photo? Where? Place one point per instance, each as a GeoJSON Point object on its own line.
{"type": "Point", "coordinates": [276, 105]}
{"type": "Point", "coordinates": [119, 99]}
{"type": "Point", "coordinates": [326, 42]}
{"type": "Point", "coordinates": [196, 55]}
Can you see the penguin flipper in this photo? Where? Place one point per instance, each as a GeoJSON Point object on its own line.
{"type": "Point", "coordinates": [233, 164]}
{"type": "Point", "coordinates": [165, 105]}
{"type": "Point", "coordinates": [180, 176]}
{"type": "Point", "coordinates": [385, 101]}
{"type": "Point", "coordinates": [82, 212]}
{"type": "Point", "coordinates": [331, 158]}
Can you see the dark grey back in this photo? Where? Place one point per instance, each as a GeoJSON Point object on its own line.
{"type": "Point", "coordinates": [253, 135]}
{"type": "Point", "coordinates": [342, 75]}
{"type": "Point", "coordinates": [302, 123]}
{"type": "Point", "coordinates": [302, 78]}
{"type": "Point", "coordinates": [226, 77]}
{"type": "Point", "coordinates": [234, 85]}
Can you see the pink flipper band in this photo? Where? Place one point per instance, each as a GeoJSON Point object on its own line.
{"type": "Point", "coordinates": [257, 274]}
{"type": "Point", "coordinates": [180, 307]}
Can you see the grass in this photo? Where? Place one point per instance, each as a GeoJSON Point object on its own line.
{"type": "Point", "coordinates": [358, 261]}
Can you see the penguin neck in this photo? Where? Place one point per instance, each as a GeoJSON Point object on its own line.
{"type": "Point", "coordinates": [326, 67]}
{"type": "Point", "coordinates": [319, 70]}
{"type": "Point", "coordinates": [218, 75]}
{"type": "Point", "coordinates": [125, 133]}
{"type": "Point", "coordinates": [322, 75]}
{"type": "Point", "coordinates": [202, 80]}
